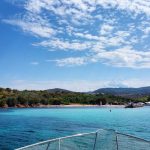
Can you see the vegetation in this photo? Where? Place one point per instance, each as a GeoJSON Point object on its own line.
{"type": "Point", "coordinates": [15, 98]}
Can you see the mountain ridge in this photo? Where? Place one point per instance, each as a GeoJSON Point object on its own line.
{"type": "Point", "coordinates": [121, 91]}
{"type": "Point", "coordinates": [59, 90]}
{"type": "Point", "coordinates": [127, 92]}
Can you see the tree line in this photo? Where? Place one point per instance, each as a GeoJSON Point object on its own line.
{"type": "Point", "coordinates": [15, 98]}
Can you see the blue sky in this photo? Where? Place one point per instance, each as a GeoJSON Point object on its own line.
{"type": "Point", "coordinates": [78, 45]}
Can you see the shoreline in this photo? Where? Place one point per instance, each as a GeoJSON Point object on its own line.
{"type": "Point", "coordinates": [68, 106]}
{"type": "Point", "coordinates": [81, 105]}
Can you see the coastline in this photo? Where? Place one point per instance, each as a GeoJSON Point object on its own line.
{"type": "Point", "coordinates": [68, 106]}
{"type": "Point", "coordinates": [82, 105]}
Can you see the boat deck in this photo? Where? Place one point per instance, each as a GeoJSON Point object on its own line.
{"type": "Point", "coordinates": [99, 140]}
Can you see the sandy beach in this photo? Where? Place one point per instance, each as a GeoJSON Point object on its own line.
{"type": "Point", "coordinates": [80, 105]}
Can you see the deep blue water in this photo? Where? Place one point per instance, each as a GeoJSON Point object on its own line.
{"type": "Point", "coordinates": [20, 127]}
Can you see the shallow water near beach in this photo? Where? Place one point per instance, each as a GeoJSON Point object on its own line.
{"type": "Point", "coordinates": [20, 127]}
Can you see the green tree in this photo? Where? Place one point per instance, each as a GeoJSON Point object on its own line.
{"type": "Point", "coordinates": [11, 101]}
{"type": "Point", "coordinates": [2, 103]}
{"type": "Point", "coordinates": [22, 100]}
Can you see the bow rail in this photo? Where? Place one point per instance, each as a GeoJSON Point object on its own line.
{"type": "Point", "coordinates": [100, 139]}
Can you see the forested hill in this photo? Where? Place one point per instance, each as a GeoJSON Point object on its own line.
{"type": "Point", "coordinates": [126, 92]}
{"type": "Point", "coordinates": [58, 90]}
{"type": "Point", "coordinates": [15, 98]}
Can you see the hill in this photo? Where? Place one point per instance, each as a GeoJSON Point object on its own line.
{"type": "Point", "coordinates": [58, 90]}
{"type": "Point", "coordinates": [125, 92]}
{"type": "Point", "coordinates": [32, 98]}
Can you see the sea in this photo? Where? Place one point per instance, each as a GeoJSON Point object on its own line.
{"type": "Point", "coordinates": [23, 126]}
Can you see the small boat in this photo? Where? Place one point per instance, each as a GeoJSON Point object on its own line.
{"type": "Point", "coordinates": [134, 105]}
{"type": "Point", "coordinates": [147, 104]}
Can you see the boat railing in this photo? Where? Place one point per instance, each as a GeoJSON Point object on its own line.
{"type": "Point", "coordinates": [101, 139]}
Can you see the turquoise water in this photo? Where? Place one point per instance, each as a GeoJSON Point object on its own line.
{"type": "Point", "coordinates": [20, 127]}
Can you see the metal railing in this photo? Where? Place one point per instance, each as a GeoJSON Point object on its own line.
{"type": "Point", "coordinates": [99, 140]}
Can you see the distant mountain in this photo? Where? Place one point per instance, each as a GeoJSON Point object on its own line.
{"type": "Point", "coordinates": [58, 90]}
{"type": "Point", "coordinates": [125, 92]}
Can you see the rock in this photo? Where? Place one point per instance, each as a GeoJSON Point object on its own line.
{"type": "Point", "coordinates": [5, 106]}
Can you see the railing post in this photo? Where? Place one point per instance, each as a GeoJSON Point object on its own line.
{"type": "Point", "coordinates": [95, 140]}
{"type": "Point", "coordinates": [117, 141]}
{"type": "Point", "coordinates": [59, 144]}
{"type": "Point", "coordinates": [48, 146]}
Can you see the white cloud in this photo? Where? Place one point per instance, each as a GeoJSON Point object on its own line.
{"type": "Point", "coordinates": [34, 63]}
{"type": "Point", "coordinates": [76, 85]}
{"type": "Point", "coordinates": [111, 32]}
{"type": "Point", "coordinates": [106, 29]}
{"type": "Point", "coordinates": [136, 6]}
{"type": "Point", "coordinates": [87, 36]}
{"type": "Point", "coordinates": [35, 25]}
{"type": "Point", "coordinates": [124, 57]}
{"type": "Point", "coordinates": [71, 61]}
{"type": "Point", "coordinates": [147, 30]}
{"type": "Point", "coordinates": [64, 45]}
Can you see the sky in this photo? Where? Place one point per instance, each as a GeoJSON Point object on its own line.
{"type": "Point", "coordinates": [78, 45]}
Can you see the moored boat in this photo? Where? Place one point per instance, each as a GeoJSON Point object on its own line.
{"type": "Point", "coordinates": [147, 104]}
{"type": "Point", "coordinates": [134, 105]}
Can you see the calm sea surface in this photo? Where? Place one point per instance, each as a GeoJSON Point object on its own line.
{"type": "Point", "coordinates": [20, 127]}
